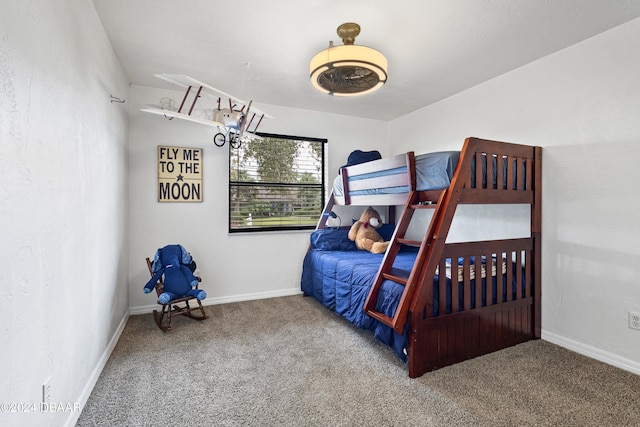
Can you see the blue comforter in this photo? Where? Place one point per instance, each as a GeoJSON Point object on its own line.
{"type": "Point", "coordinates": [339, 276]}
{"type": "Point", "coordinates": [340, 279]}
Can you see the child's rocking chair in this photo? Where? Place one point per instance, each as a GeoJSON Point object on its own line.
{"type": "Point", "coordinates": [175, 306]}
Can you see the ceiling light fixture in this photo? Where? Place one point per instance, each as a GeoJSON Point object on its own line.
{"type": "Point", "coordinates": [348, 70]}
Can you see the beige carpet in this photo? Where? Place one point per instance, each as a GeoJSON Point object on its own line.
{"type": "Point", "coordinates": [290, 362]}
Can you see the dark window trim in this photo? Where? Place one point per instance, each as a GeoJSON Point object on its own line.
{"type": "Point", "coordinates": [322, 187]}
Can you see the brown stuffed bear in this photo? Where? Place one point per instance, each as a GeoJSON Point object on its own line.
{"type": "Point", "coordinates": [363, 232]}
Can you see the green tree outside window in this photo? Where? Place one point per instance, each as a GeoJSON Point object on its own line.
{"type": "Point", "coordinates": [276, 183]}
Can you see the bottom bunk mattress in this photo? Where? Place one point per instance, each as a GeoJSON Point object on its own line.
{"type": "Point", "coordinates": [339, 276]}
{"type": "Point", "coordinates": [341, 280]}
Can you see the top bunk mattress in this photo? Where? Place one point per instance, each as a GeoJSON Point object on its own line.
{"type": "Point", "coordinates": [433, 172]}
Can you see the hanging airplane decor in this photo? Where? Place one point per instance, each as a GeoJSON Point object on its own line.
{"type": "Point", "coordinates": [233, 122]}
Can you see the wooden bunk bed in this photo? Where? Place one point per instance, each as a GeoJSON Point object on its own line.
{"type": "Point", "coordinates": [430, 319]}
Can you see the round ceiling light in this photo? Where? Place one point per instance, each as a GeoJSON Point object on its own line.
{"type": "Point", "coordinates": [348, 70]}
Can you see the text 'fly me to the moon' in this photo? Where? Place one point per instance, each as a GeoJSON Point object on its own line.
{"type": "Point", "coordinates": [179, 174]}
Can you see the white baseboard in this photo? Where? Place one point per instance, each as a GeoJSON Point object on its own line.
{"type": "Point", "coordinates": [95, 374]}
{"type": "Point", "coordinates": [225, 300]}
{"type": "Point", "coordinates": [593, 352]}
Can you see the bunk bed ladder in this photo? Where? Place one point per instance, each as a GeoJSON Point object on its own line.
{"type": "Point", "coordinates": [414, 202]}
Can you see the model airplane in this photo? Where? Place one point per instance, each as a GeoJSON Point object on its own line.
{"type": "Point", "coordinates": [233, 123]}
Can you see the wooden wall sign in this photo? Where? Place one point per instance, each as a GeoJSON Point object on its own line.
{"type": "Point", "coordinates": [179, 174]}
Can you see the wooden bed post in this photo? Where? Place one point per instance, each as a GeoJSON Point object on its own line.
{"type": "Point", "coordinates": [536, 233]}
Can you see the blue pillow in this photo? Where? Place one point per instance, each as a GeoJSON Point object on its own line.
{"type": "Point", "coordinates": [358, 156]}
{"type": "Point", "coordinates": [386, 231]}
{"type": "Point", "coordinates": [332, 239]}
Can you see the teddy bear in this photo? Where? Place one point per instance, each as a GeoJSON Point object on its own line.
{"type": "Point", "coordinates": [175, 263]}
{"type": "Point", "coordinates": [363, 232]}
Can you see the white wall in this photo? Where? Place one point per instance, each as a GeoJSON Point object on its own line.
{"type": "Point", "coordinates": [63, 207]}
{"type": "Point", "coordinates": [582, 105]}
{"type": "Point", "coordinates": [238, 266]}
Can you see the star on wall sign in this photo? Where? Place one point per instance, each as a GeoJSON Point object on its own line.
{"type": "Point", "coordinates": [180, 178]}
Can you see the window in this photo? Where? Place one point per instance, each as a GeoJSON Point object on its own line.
{"type": "Point", "coordinates": [276, 183]}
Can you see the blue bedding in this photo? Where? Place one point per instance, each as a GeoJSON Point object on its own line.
{"type": "Point", "coordinates": [341, 280]}
{"type": "Point", "coordinates": [338, 275]}
{"type": "Point", "coordinates": [433, 172]}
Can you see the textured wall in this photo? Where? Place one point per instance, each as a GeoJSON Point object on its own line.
{"type": "Point", "coordinates": [63, 206]}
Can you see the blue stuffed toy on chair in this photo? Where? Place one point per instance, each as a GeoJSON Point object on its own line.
{"type": "Point", "coordinates": [173, 261]}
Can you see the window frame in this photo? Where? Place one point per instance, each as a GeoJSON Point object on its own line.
{"type": "Point", "coordinates": [321, 187]}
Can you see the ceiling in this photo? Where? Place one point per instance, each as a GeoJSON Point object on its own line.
{"type": "Point", "coordinates": [260, 50]}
